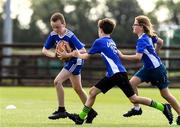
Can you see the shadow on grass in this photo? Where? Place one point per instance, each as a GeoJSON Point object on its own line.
{"type": "Point", "coordinates": [71, 125]}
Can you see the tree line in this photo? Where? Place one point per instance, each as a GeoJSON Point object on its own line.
{"type": "Point", "coordinates": [82, 19]}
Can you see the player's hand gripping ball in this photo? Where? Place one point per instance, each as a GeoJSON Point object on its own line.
{"type": "Point", "coordinates": [63, 47]}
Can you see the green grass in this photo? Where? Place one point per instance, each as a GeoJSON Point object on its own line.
{"type": "Point", "coordinates": [34, 104]}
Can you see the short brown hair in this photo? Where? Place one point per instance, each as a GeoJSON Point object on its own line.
{"type": "Point", "coordinates": [107, 25]}
{"type": "Point", "coordinates": [58, 16]}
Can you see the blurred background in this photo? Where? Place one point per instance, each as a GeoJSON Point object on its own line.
{"type": "Point", "coordinates": [24, 26]}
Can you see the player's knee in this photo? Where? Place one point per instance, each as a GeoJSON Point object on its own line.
{"type": "Point", "coordinates": [92, 93]}
{"type": "Point", "coordinates": [57, 83]}
{"type": "Point", "coordinates": [134, 99]}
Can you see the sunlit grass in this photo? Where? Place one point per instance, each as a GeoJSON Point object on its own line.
{"type": "Point", "coordinates": [34, 104]}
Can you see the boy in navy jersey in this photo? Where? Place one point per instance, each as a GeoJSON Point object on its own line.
{"type": "Point", "coordinates": [72, 67]}
{"type": "Point", "coordinates": [116, 74]}
{"type": "Point", "coordinates": [153, 70]}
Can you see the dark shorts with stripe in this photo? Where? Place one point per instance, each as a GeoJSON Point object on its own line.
{"type": "Point", "coordinates": [119, 79]}
{"type": "Point", "coordinates": [157, 76]}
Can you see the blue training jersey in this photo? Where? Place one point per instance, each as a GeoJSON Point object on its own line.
{"type": "Point", "coordinates": [108, 50]}
{"type": "Point", "coordinates": [145, 45]}
{"type": "Point", "coordinates": [69, 37]}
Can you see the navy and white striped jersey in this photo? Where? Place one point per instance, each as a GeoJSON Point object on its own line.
{"type": "Point", "coordinates": [108, 50]}
{"type": "Point", "coordinates": [69, 37]}
{"type": "Point", "coordinates": [145, 45]}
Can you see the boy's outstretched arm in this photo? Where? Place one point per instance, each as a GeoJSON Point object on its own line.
{"type": "Point", "coordinates": [77, 53]}
{"type": "Point", "coordinates": [137, 56]}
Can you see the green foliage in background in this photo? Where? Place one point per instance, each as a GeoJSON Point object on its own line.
{"type": "Point", "coordinates": [81, 22]}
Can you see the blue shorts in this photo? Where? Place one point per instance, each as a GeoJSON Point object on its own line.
{"type": "Point", "coordinates": [74, 66]}
{"type": "Point", "coordinates": [157, 76]}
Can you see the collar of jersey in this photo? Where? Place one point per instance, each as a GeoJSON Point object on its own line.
{"type": "Point", "coordinates": [63, 34]}
{"type": "Point", "coordinates": [141, 35]}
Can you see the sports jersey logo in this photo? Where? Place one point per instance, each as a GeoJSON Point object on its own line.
{"type": "Point", "coordinates": [112, 46]}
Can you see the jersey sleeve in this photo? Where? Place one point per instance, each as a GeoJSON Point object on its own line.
{"type": "Point", "coordinates": [141, 45]}
{"type": "Point", "coordinates": [49, 43]}
{"type": "Point", "coordinates": [154, 39]}
{"type": "Point", "coordinates": [76, 42]}
{"type": "Point", "coordinates": [95, 48]}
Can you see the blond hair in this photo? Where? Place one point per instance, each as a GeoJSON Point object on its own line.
{"type": "Point", "coordinates": [147, 25]}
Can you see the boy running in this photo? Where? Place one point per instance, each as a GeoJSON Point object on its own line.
{"type": "Point", "coordinates": [115, 74]}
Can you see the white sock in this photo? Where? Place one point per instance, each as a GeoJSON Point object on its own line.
{"type": "Point", "coordinates": [137, 108]}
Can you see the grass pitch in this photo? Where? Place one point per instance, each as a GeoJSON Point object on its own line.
{"type": "Point", "coordinates": [35, 104]}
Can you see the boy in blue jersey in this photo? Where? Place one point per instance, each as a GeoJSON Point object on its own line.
{"type": "Point", "coordinates": [153, 70]}
{"type": "Point", "coordinates": [116, 74]}
{"type": "Point", "coordinates": [72, 67]}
